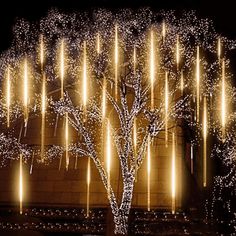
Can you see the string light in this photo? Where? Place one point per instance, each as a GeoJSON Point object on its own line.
{"type": "Point", "coordinates": [152, 68]}
{"type": "Point", "coordinates": [21, 185]}
{"type": "Point", "coordinates": [173, 175]}
{"type": "Point", "coordinates": [8, 96]}
{"type": "Point", "coordinates": [205, 143]}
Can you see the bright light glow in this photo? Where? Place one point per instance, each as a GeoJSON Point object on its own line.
{"type": "Point", "coordinates": [62, 67]}
{"type": "Point", "coordinates": [98, 43]}
{"type": "Point", "coordinates": [108, 156]}
{"type": "Point", "coordinates": [148, 174]}
{"type": "Point", "coordinates": [8, 96]}
{"type": "Point", "coordinates": [223, 101]}
{"type": "Point", "coordinates": [205, 142]}
{"type": "Point", "coordinates": [198, 82]}
{"type": "Point", "coordinates": [191, 158]}
{"type": "Point", "coordinates": [166, 107]}
{"type": "Point", "coordinates": [67, 140]}
{"type": "Point", "coordinates": [88, 186]}
{"type": "Point", "coordinates": [152, 68]}
{"type": "Point", "coordinates": [182, 82]}
{"type": "Point", "coordinates": [219, 48]}
{"type": "Point", "coordinates": [177, 51]}
{"type": "Point", "coordinates": [116, 61]}
{"type": "Point", "coordinates": [41, 51]}
{"type": "Point", "coordinates": [135, 145]}
{"type": "Point", "coordinates": [173, 175]}
{"type": "Point", "coordinates": [21, 185]}
{"type": "Point", "coordinates": [104, 98]}
{"type": "Point", "coordinates": [43, 101]}
{"type": "Point", "coordinates": [134, 59]}
{"type": "Point", "coordinates": [85, 77]}
{"type": "Point", "coordinates": [26, 92]}
{"type": "Point", "coordinates": [43, 111]}
{"type": "Point", "coordinates": [163, 30]}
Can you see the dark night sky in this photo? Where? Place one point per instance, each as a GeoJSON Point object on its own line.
{"type": "Point", "coordinates": [221, 12]}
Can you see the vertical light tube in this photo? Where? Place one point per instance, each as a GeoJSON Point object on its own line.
{"type": "Point", "coordinates": [98, 43]}
{"type": "Point", "coordinates": [177, 52]}
{"type": "Point", "coordinates": [104, 99]}
{"type": "Point", "coordinates": [219, 48]}
{"type": "Point", "coordinates": [41, 52]}
{"type": "Point", "coordinates": [198, 82]}
{"type": "Point", "coordinates": [21, 185]}
{"type": "Point", "coordinates": [182, 82]}
{"type": "Point", "coordinates": [88, 186]}
{"type": "Point", "coordinates": [134, 59]}
{"type": "Point", "coordinates": [116, 61]}
{"type": "Point", "coordinates": [43, 112]}
{"type": "Point", "coordinates": [108, 157]}
{"type": "Point", "coordinates": [163, 30]}
{"type": "Point", "coordinates": [223, 101]}
{"type": "Point", "coordinates": [152, 68]}
{"type": "Point", "coordinates": [84, 77]}
{"type": "Point", "coordinates": [135, 146]}
{"type": "Point", "coordinates": [26, 92]}
{"type": "Point", "coordinates": [8, 96]}
{"type": "Point", "coordinates": [173, 175]}
{"type": "Point", "coordinates": [166, 108]}
{"type": "Point", "coordinates": [67, 140]}
{"type": "Point", "coordinates": [205, 143]}
{"type": "Point", "coordinates": [191, 158]}
{"type": "Point", "coordinates": [62, 67]}
{"type": "Point", "coordinates": [148, 175]}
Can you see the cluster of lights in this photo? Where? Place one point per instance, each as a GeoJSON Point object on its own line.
{"type": "Point", "coordinates": [94, 51]}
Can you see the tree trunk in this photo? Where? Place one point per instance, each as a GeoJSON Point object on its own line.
{"type": "Point", "coordinates": [121, 218]}
{"type": "Point", "coordinates": [121, 223]}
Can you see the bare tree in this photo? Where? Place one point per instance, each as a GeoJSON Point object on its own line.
{"type": "Point", "coordinates": [129, 94]}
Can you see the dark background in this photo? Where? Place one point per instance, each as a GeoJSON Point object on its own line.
{"type": "Point", "coordinates": [221, 12]}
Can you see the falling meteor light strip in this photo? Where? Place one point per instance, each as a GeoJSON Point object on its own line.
{"type": "Point", "coordinates": [205, 142]}
{"type": "Point", "coordinates": [103, 114]}
{"type": "Point", "coordinates": [134, 59]}
{"type": "Point", "coordinates": [219, 48]}
{"type": "Point", "coordinates": [98, 43]}
{"type": "Point", "coordinates": [84, 77]}
{"type": "Point", "coordinates": [62, 67]}
{"type": "Point", "coordinates": [182, 82]}
{"type": "Point", "coordinates": [108, 155]}
{"type": "Point", "coordinates": [116, 61]}
{"type": "Point", "coordinates": [191, 158]}
{"type": "Point", "coordinates": [20, 133]}
{"type": "Point", "coordinates": [32, 163]}
{"type": "Point", "coordinates": [166, 108]}
{"type": "Point", "coordinates": [21, 185]}
{"type": "Point", "coordinates": [8, 96]}
{"type": "Point", "coordinates": [198, 82]}
{"type": "Point", "coordinates": [67, 140]}
{"type": "Point", "coordinates": [76, 161]}
{"type": "Point", "coordinates": [173, 175]}
{"type": "Point", "coordinates": [163, 30]}
{"type": "Point", "coordinates": [223, 101]}
{"type": "Point", "coordinates": [148, 174]}
{"type": "Point", "coordinates": [62, 75]}
{"type": "Point", "coordinates": [152, 68]}
{"type": "Point", "coordinates": [26, 92]}
{"type": "Point", "coordinates": [104, 98]}
{"type": "Point", "coordinates": [177, 52]}
{"type": "Point", "coordinates": [43, 111]}
{"type": "Point", "coordinates": [135, 146]}
{"type": "Point", "coordinates": [88, 186]}
{"type": "Point", "coordinates": [41, 52]}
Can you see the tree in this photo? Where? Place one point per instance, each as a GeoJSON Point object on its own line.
{"type": "Point", "coordinates": [165, 57]}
